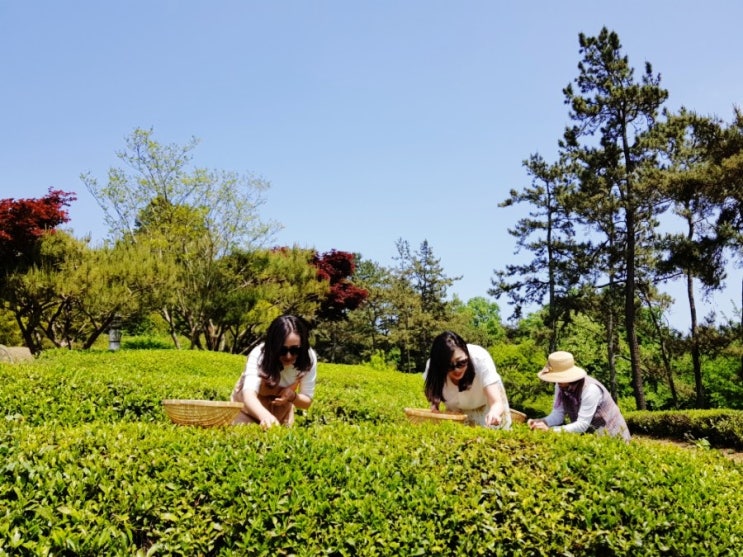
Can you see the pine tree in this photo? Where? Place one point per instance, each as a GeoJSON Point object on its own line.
{"type": "Point", "coordinates": [612, 114]}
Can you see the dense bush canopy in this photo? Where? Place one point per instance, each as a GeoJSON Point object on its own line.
{"type": "Point", "coordinates": [92, 466]}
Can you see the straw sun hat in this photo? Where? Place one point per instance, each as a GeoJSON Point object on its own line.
{"type": "Point", "coordinates": [561, 368]}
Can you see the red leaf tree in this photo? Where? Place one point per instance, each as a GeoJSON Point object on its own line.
{"type": "Point", "coordinates": [24, 221]}
{"type": "Point", "coordinates": [337, 267]}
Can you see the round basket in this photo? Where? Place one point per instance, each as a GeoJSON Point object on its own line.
{"type": "Point", "coordinates": [422, 415]}
{"type": "Point", "coordinates": [203, 413]}
{"type": "Point", "coordinates": [517, 417]}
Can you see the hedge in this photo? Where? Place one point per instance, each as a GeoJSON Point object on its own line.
{"type": "Point", "coordinates": [721, 428]}
{"type": "Point", "coordinates": [99, 470]}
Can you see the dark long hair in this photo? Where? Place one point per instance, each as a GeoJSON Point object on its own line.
{"type": "Point", "coordinates": [570, 397]}
{"type": "Point", "coordinates": [442, 349]}
{"type": "Point", "coordinates": [278, 330]}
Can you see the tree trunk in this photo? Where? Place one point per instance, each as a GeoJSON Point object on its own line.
{"type": "Point", "coordinates": [28, 333]}
{"type": "Point", "coordinates": [629, 305]}
{"type": "Point", "coordinates": [611, 354]}
{"type": "Point", "coordinates": [663, 351]}
{"type": "Point", "coordinates": [171, 327]}
{"type": "Point", "coordinates": [695, 354]}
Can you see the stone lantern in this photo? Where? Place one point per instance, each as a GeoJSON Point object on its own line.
{"type": "Point", "coordinates": [114, 333]}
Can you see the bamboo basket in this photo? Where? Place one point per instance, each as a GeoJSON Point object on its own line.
{"type": "Point", "coordinates": [517, 417]}
{"type": "Point", "coordinates": [422, 415]}
{"type": "Point", "coordinates": [203, 413]}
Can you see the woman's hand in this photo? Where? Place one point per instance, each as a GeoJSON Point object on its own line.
{"type": "Point", "coordinates": [495, 416]}
{"type": "Point", "coordinates": [269, 421]}
{"type": "Point", "coordinates": [286, 396]}
{"type": "Point", "coordinates": [537, 424]}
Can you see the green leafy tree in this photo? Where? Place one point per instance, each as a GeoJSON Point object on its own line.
{"type": "Point", "coordinates": [74, 293]}
{"type": "Point", "coordinates": [657, 305]}
{"type": "Point", "coordinates": [156, 181]}
{"type": "Point", "coordinates": [518, 364]}
{"type": "Point", "coordinates": [408, 324]}
{"type": "Point", "coordinates": [478, 321]}
{"type": "Point", "coordinates": [728, 167]}
{"type": "Point", "coordinates": [365, 333]}
{"type": "Point", "coordinates": [418, 294]}
{"type": "Point", "coordinates": [10, 335]}
{"type": "Point", "coordinates": [23, 224]}
{"type": "Point", "coordinates": [264, 284]}
{"type": "Point", "coordinates": [191, 215]}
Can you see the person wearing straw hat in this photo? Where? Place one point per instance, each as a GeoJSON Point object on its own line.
{"type": "Point", "coordinates": [583, 399]}
{"type": "Point", "coordinates": [280, 374]}
{"type": "Point", "coordinates": [464, 378]}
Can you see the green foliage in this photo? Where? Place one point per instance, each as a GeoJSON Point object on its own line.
{"type": "Point", "coordinates": [721, 428]}
{"type": "Point", "coordinates": [157, 191]}
{"type": "Point", "coordinates": [193, 218]}
{"type": "Point", "coordinates": [724, 382]}
{"type": "Point", "coordinates": [381, 362]}
{"type": "Point", "coordinates": [478, 321]}
{"type": "Point", "coordinates": [143, 342]}
{"type": "Point", "coordinates": [91, 466]}
{"type": "Point", "coordinates": [417, 295]}
{"type": "Point", "coordinates": [518, 365]}
{"type": "Point", "coordinates": [9, 333]}
{"type": "Point", "coordinates": [74, 293]}
{"type": "Point", "coordinates": [69, 387]}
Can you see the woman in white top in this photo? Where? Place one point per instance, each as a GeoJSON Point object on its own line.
{"type": "Point", "coordinates": [464, 378]}
{"type": "Point", "coordinates": [580, 397]}
{"type": "Point", "coordinates": [280, 374]}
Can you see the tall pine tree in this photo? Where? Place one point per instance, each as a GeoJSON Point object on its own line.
{"type": "Point", "coordinates": [612, 113]}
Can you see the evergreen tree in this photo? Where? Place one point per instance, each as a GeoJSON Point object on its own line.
{"type": "Point", "coordinates": [548, 232]}
{"type": "Point", "coordinates": [612, 113]}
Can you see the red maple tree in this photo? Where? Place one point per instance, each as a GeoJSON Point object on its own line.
{"type": "Point", "coordinates": [337, 267]}
{"type": "Point", "coordinates": [24, 221]}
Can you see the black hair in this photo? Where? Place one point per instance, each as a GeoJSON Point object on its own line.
{"type": "Point", "coordinates": [573, 392]}
{"type": "Point", "coordinates": [278, 330]}
{"type": "Point", "coordinates": [442, 349]}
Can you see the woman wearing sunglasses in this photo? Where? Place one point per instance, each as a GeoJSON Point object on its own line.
{"type": "Point", "coordinates": [463, 377]}
{"type": "Point", "coordinates": [280, 374]}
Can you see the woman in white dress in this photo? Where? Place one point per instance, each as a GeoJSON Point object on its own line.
{"type": "Point", "coordinates": [464, 378]}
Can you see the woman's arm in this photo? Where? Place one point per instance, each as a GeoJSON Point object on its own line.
{"type": "Point", "coordinates": [254, 407]}
{"type": "Point", "coordinates": [555, 418]}
{"type": "Point", "coordinates": [290, 395]}
{"type": "Point", "coordinates": [303, 398]}
{"type": "Point", "coordinates": [496, 404]}
{"type": "Point", "coordinates": [249, 393]}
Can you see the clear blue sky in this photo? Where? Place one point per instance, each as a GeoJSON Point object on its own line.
{"type": "Point", "coordinates": [372, 120]}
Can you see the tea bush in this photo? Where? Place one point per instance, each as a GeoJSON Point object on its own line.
{"type": "Point", "coordinates": [99, 470]}
{"type": "Point", "coordinates": [721, 428]}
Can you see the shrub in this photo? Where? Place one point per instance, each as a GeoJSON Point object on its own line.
{"type": "Point", "coordinates": [89, 465]}
{"type": "Point", "coordinates": [722, 428]}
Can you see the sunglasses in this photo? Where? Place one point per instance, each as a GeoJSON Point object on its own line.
{"type": "Point", "coordinates": [293, 350]}
{"type": "Point", "coordinates": [461, 364]}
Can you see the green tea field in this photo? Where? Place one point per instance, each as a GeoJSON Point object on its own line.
{"type": "Point", "coordinates": [91, 465]}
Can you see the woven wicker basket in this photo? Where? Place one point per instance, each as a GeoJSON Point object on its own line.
{"type": "Point", "coordinates": [421, 415]}
{"type": "Point", "coordinates": [517, 417]}
{"type": "Point", "coordinates": [203, 413]}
